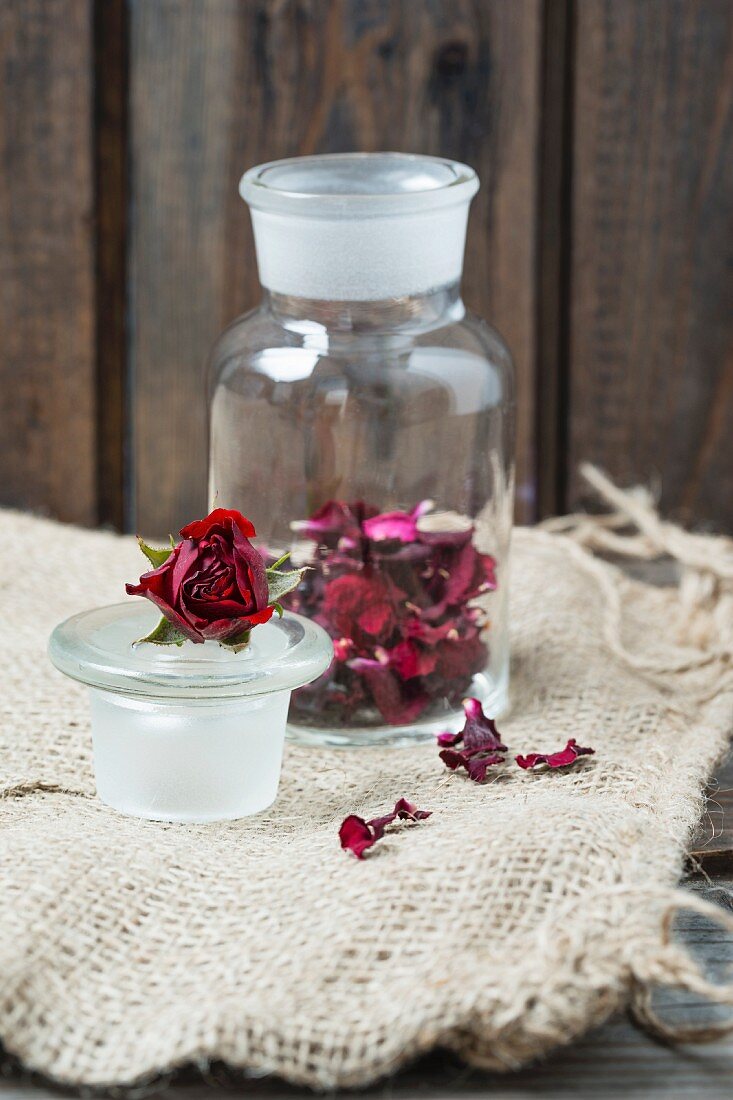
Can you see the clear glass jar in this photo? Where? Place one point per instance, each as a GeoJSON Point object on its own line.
{"type": "Point", "coordinates": [364, 420]}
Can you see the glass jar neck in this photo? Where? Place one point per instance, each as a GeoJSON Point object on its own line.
{"type": "Point", "coordinates": [421, 311]}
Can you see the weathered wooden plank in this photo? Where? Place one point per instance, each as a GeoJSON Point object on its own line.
{"type": "Point", "coordinates": [47, 353]}
{"type": "Point", "coordinates": [110, 59]}
{"type": "Point", "coordinates": [554, 184]}
{"type": "Point", "coordinates": [217, 86]}
{"type": "Point", "coordinates": [712, 845]}
{"type": "Point", "coordinates": [651, 351]}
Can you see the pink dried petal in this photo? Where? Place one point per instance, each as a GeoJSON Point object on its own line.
{"type": "Point", "coordinates": [333, 522]}
{"type": "Point", "coordinates": [396, 526]}
{"type": "Point", "coordinates": [561, 759]}
{"type": "Point", "coordinates": [357, 835]}
{"type": "Point", "coordinates": [446, 740]}
{"type": "Point", "coordinates": [343, 648]}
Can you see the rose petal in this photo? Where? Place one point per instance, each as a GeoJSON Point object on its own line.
{"type": "Point", "coordinates": [403, 808]}
{"type": "Point", "coordinates": [562, 759]}
{"type": "Point", "coordinates": [397, 526]}
{"type": "Point", "coordinates": [225, 518]}
{"type": "Point", "coordinates": [390, 696]}
{"type": "Point", "coordinates": [476, 763]}
{"type": "Point", "coordinates": [448, 739]}
{"type": "Point", "coordinates": [479, 764]}
{"type": "Point", "coordinates": [334, 523]}
{"type": "Point", "coordinates": [357, 835]}
{"type": "Point", "coordinates": [479, 732]}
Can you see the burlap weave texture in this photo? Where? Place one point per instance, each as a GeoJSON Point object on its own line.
{"type": "Point", "coordinates": [521, 913]}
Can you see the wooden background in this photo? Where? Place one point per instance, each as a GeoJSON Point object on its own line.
{"type": "Point", "coordinates": [601, 242]}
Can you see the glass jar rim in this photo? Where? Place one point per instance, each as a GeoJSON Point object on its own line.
{"type": "Point", "coordinates": [348, 185]}
{"type": "Point", "coordinates": [95, 648]}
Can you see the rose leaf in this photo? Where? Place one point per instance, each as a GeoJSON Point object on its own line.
{"type": "Point", "coordinates": [279, 583]}
{"type": "Point", "coordinates": [238, 642]}
{"type": "Point", "coordinates": [155, 557]}
{"type": "Point", "coordinates": [165, 633]}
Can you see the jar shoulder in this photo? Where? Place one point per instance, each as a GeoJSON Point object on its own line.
{"type": "Point", "coordinates": [258, 340]}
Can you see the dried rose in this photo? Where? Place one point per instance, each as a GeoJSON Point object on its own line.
{"type": "Point", "coordinates": [213, 585]}
{"type": "Point", "coordinates": [362, 606]}
{"type": "Point", "coordinates": [395, 591]}
{"type": "Point", "coordinates": [479, 733]}
{"type": "Point", "coordinates": [356, 834]}
{"type": "Point", "coordinates": [561, 759]}
{"type": "Point", "coordinates": [476, 763]}
{"type": "Point", "coordinates": [481, 740]}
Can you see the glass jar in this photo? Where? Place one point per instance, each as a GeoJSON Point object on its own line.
{"type": "Point", "coordinates": [364, 420]}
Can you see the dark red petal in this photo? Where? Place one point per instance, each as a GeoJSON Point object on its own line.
{"type": "Point", "coordinates": [453, 759]}
{"type": "Point", "coordinates": [409, 660]}
{"type": "Point", "coordinates": [476, 763]}
{"type": "Point", "coordinates": [480, 732]}
{"type": "Point", "coordinates": [393, 704]}
{"type": "Point", "coordinates": [157, 586]}
{"type": "Point", "coordinates": [219, 630]}
{"type": "Point", "coordinates": [355, 835]}
{"type": "Point", "coordinates": [378, 824]}
{"type": "Point", "coordinates": [403, 808]}
{"type": "Point", "coordinates": [251, 572]}
{"type": "Point", "coordinates": [562, 759]}
{"type": "Point", "coordinates": [479, 764]}
{"type": "Point", "coordinates": [376, 619]}
{"type": "Point", "coordinates": [220, 517]}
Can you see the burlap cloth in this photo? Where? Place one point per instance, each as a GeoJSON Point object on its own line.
{"type": "Point", "coordinates": [520, 914]}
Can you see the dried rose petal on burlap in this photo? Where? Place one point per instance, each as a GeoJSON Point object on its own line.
{"type": "Point", "coordinates": [479, 733]}
{"type": "Point", "coordinates": [561, 759]}
{"type": "Point", "coordinates": [356, 834]}
{"type": "Point", "coordinates": [482, 745]}
{"type": "Point", "coordinates": [476, 763]}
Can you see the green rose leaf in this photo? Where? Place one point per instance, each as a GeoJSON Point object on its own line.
{"type": "Point", "coordinates": [279, 583]}
{"type": "Point", "coordinates": [156, 557]}
{"type": "Point", "coordinates": [165, 633]}
{"type": "Point", "coordinates": [238, 642]}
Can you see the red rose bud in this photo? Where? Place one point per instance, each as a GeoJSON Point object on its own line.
{"type": "Point", "coordinates": [562, 759]}
{"type": "Point", "coordinates": [213, 585]}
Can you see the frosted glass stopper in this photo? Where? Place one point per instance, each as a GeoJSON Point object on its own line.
{"type": "Point", "coordinates": [359, 226]}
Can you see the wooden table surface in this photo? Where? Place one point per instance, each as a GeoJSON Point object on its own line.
{"type": "Point", "coordinates": [616, 1060]}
